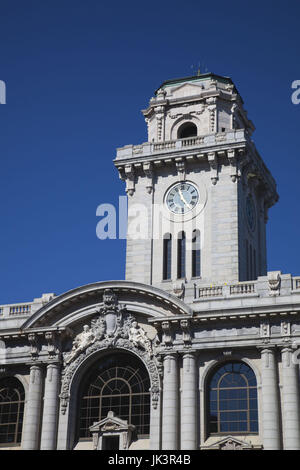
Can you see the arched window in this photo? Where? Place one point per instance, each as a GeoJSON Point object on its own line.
{"type": "Point", "coordinates": [196, 254]}
{"type": "Point", "coordinates": [167, 256]}
{"type": "Point", "coordinates": [188, 129]}
{"type": "Point", "coordinates": [232, 403]}
{"type": "Point", "coordinates": [181, 248]}
{"type": "Point", "coordinates": [11, 410]}
{"type": "Point", "coordinates": [119, 383]}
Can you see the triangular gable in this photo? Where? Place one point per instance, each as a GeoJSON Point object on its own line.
{"type": "Point", "coordinates": [111, 423]}
{"type": "Point", "coordinates": [187, 89]}
{"type": "Point", "coordinates": [231, 443]}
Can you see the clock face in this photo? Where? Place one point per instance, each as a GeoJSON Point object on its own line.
{"type": "Point", "coordinates": [182, 198]}
{"type": "Point", "coordinates": [250, 211]}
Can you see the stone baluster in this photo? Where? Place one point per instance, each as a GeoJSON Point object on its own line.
{"type": "Point", "coordinates": [51, 404]}
{"type": "Point", "coordinates": [188, 402]}
{"type": "Point", "coordinates": [31, 430]}
{"type": "Point", "coordinates": [170, 404]}
{"type": "Point", "coordinates": [270, 400]}
{"type": "Point", "coordinates": [290, 401]}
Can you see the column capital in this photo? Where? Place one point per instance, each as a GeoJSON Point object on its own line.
{"type": "Point", "coordinates": [169, 355]}
{"type": "Point", "coordinates": [53, 362]}
{"type": "Point", "coordinates": [35, 364]}
{"type": "Point", "coordinates": [288, 348]}
{"type": "Point", "coordinates": [190, 353]}
{"type": "Point", "coordinates": [267, 349]}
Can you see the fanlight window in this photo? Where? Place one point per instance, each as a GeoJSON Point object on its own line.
{"type": "Point", "coordinates": [233, 400]}
{"type": "Point", "coordinates": [11, 410]}
{"type": "Point", "coordinates": [188, 129]}
{"type": "Point", "coordinates": [120, 383]}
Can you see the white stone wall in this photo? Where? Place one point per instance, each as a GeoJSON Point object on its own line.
{"type": "Point", "coordinates": [139, 248]}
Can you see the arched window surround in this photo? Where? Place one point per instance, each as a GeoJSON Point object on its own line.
{"type": "Point", "coordinates": [12, 402]}
{"type": "Point", "coordinates": [245, 417]}
{"type": "Point", "coordinates": [179, 122]}
{"type": "Point", "coordinates": [187, 129]}
{"type": "Point", "coordinates": [126, 392]}
{"type": "Point", "coordinates": [204, 379]}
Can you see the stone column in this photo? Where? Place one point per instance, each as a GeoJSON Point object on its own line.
{"type": "Point", "coordinates": [270, 400]}
{"type": "Point", "coordinates": [188, 403]}
{"type": "Point", "coordinates": [170, 404]}
{"type": "Point", "coordinates": [290, 401]}
{"type": "Point", "coordinates": [31, 432]}
{"type": "Point", "coordinates": [51, 402]}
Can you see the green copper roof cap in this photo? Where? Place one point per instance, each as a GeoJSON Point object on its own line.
{"type": "Point", "coordinates": [202, 76]}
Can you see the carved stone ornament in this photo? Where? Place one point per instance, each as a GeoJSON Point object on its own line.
{"type": "Point", "coordinates": [167, 338]}
{"type": "Point", "coordinates": [234, 174]}
{"type": "Point", "coordinates": [114, 327]}
{"type": "Point", "coordinates": [274, 280]}
{"type": "Point", "coordinates": [179, 289]}
{"type": "Point", "coordinates": [213, 163]}
{"type": "Point", "coordinates": [161, 93]}
{"type": "Point", "coordinates": [159, 111]}
{"type": "Point", "coordinates": [148, 170]}
{"type": "Point", "coordinates": [232, 443]}
{"type": "Point", "coordinates": [181, 169]}
{"type": "Point", "coordinates": [186, 331]}
{"type": "Point", "coordinates": [212, 108]}
{"type": "Point", "coordinates": [286, 330]}
{"type": "Point", "coordinates": [265, 331]}
{"type": "Point", "coordinates": [34, 345]}
{"type": "Point", "coordinates": [52, 344]}
{"type": "Point", "coordinates": [130, 180]}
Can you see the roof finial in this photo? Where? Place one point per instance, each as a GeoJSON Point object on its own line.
{"type": "Point", "coordinates": [196, 70]}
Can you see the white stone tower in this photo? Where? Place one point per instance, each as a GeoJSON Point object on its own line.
{"type": "Point", "coordinates": [200, 179]}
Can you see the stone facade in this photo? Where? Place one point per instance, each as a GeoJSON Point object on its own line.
{"type": "Point", "coordinates": [174, 335]}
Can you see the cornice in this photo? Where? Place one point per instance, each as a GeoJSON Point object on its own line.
{"type": "Point", "coordinates": [232, 316]}
{"type": "Point", "coordinates": [97, 289]}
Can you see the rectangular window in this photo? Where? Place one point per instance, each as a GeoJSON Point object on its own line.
{"type": "Point", "coordinates": [167, 253]}
{"type": "Point", "coordinates": [181, 256]}
{"type": "Point", "coordinates": [196, 255]}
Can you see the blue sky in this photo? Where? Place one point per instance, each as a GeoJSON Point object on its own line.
{"type": "Point", "coordinates": [77, 75]}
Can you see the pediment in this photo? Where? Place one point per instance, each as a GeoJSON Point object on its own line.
{"type": "Point", "coordinates": [231, 443]}
{"type": "Point", "coordinates": [111, 424]}
{"type": "Point", "coordinates": [187, 89]}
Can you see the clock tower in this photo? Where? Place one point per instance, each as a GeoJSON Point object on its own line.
{"type": "Point", "coordinates": [198, 190]}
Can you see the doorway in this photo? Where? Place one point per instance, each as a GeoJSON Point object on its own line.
{"type": "Point", "coordinates": [110, 442]}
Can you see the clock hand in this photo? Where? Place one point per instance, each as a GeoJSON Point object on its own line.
{"type": "Point", "coordinates": [183, 199]}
